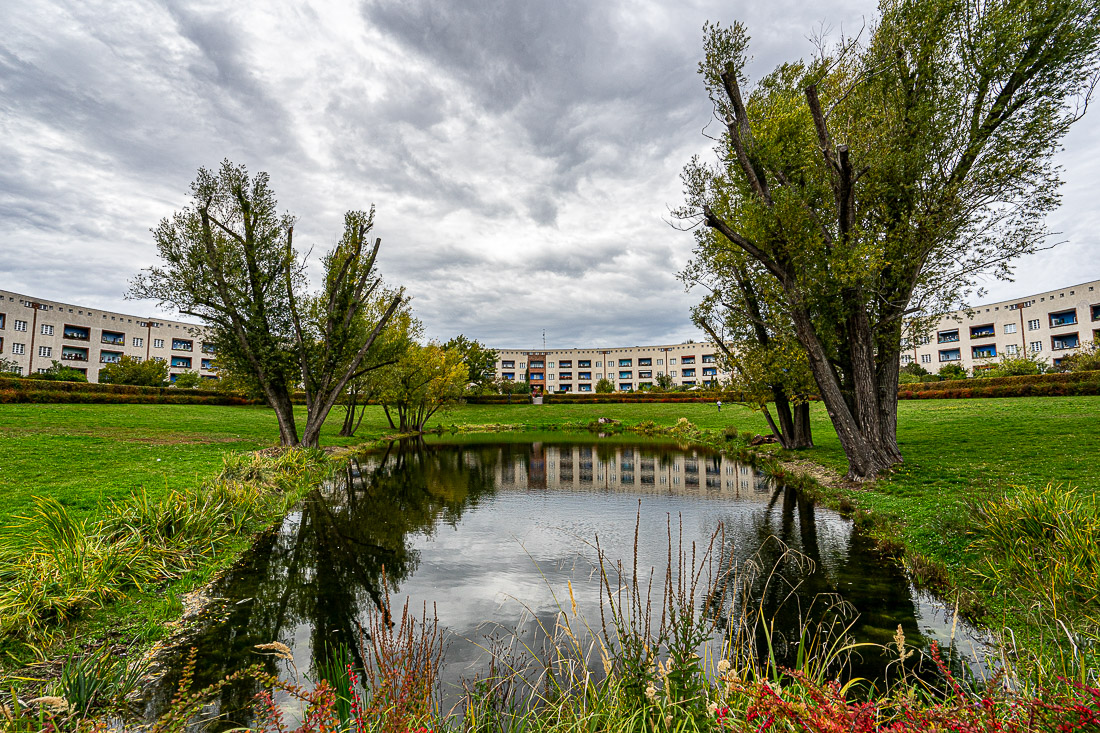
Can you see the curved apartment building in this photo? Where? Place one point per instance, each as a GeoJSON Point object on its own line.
{"type": "Point", "coordinates": [34, 333]}
{"type": "Point", "coordinates": [1049, 325]}
{"type": "Point", "coordinates": [628, 367]}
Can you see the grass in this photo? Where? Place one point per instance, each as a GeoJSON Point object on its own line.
{"type": "Point", "coordinates": [960, 456]}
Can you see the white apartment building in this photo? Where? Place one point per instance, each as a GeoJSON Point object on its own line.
{"type": "Point", "coordinates": [1050, 325]}
{"type": "Point", "coordinates": [628, 368]}
{"type": "Point", "coordinates": [35, 332]}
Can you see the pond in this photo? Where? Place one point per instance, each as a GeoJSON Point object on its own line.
{"type": "Point", "coordinates": [498, 537]}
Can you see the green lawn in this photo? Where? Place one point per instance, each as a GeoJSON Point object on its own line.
{"type": "Point", "coordinates": [956, 450]}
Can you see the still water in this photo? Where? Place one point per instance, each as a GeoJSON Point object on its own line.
{"type": "Point", "coordinates": [493, 535]}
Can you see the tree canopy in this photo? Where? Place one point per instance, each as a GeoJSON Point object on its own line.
{"type": "Point", "coordinates": [229, 259]}
{"type": "Point", "coordinates": [880, 179]}
{"type": "Point", "coordinates": [128, 370]}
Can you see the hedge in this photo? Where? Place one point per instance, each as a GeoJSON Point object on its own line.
{"type": "Point", "coordinates": [13, 389]}
{"type": "Point", "coordinates": [1034, 385]}
{"type": "Point", "coordinates": [603, 398]}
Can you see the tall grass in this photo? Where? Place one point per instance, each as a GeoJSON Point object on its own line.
{"type": "Point", "coordinates": [61, 566]}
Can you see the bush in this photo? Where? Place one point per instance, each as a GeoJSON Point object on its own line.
{"type": "Point", "coordinates": [952, 371]}
{"type": "Point", "coordinates": [1036, 385]}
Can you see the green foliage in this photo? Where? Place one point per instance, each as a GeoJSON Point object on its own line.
{"type": "Point", "coordinates": [1020, 365]}
{"type": "Point", "coordinates": [1086, 359]}
{"type": "Point", "coordinates": [130, 370]}
{"type": "Point", "coordinates": [478, 358]}
{"type": "Point", "coordinates": [914, 369]}
{"type": "Point", "coordinates": [187, 380]}
{"type": "Point", "coordinates": [58, 372]}
{"type": "Point", "coordinates": [951, 371]}
{"type": "Point", "coordinates": [423, 380]}
{"type": "Point", "coordinates": [9, 367]}
{"type": "Point", "coordinates": [664, 381]}
{"type": "Point", "coordinates": [605, 385]}
{"type": "Point", "coordinates": [1045, 540]}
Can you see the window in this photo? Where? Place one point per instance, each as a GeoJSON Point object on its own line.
{"type": "Point", "coordinates": [1095, 314]}
{"type": "Point", "coordinates": [1036, 346]}
{"type": "Point", "coordinates": [2, 316]}
{"type": "Point", "coordinates": [523, 365]}
{"type": "Point", "coordinates": [551, 376]}
{"type": "Point", "coordinates": [906, 359]}
{"type": "Point", "coordinates": [1033, 325]}
{"type": "Point", "coordinates": [925, 358]}
{"type": "Point", "coordinates": [660, 362]}
{"type": "Point", "coordinates": [536, 377]}
{"type": "Point", "coordinates": [47, 329]}
{"type": "Point", "coordinates": [45, 351]}
{"type": "Point", "coordinates": [671, 360]}
{"type": "Point", "coordinates": [673, 372]}
{"type": "Point", "coordinates": [1010, 328]}
{"type": "Point", "coordinates": [1012, 349]}
{"type": "Point", "coordinates": [18, 348]}
{"type": "Point", "coordinates": [158, 343]}
{"type": "Point", "coordinates": [138, 341]}
{"type": "Point", "coordinates": [20, 325]}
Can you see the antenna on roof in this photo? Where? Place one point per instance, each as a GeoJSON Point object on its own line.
{"type": "Point", "coordinates": [544, 339]}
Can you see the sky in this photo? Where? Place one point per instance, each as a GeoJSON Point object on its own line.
{"type": "Point", "coordinates": [523, 155]}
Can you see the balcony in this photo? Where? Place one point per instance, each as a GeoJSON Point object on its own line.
{"type": "Point", "coordinates": [181, 362]}
{"type": "Point", "coordinates": [207, 364]}
{"type": "Point", "coordinates": [984, 352]}
{"type": "Point", "coordinates": [947, 337]}
{"type": "Point", "coordinates": [507, 365]}
{"type": "Point", "coordinates": [537, 365]}
{"type": "Point", "coordinates": [110, 357]}
{"type": "Point", "coordinates": [584, 375]}
{"type": "Point", "coordinates": [585, 363]}
{"type": "Point", "coordinates": [688, 373]}
{"type": "Point", "coordinates": [1096, 313]}
{"type": "Point", "coordinates": [710, 372]}
{"type": "Point", "coordinates": [565, 364]}
{"type": "Point", "coordinates": [1065, 341]}
{"type": "Point", "coordinates": [645, 375]}
{"type": "Point", "coordinates": [645, 362]}
{"type": "Point", "coordinates": [626, 362]}
{"type": "Point", "coordinates": [70, 354]}
{"type": "Point", "coordinates": [565, 376]}
{"type": "Point", "coordinates": [979, 332]}
{"type": "Point", "coordinates": [76, 333]}
{"type": "Point", "coordinates": [208, 348]}
{"type": "Point", "coordinates": [113, 338]}
{"type": "Point", "coordinates": [1063, 318]}
{"type": "Point", "coordinates": [709, 359]}
{"type": "Point", "coordinates": [179, 345]}
{"type": "Point", "coordinates": [687, 360]}
{"type": "Point", "coordinates": [626, 375]}
{"type": "Point", "coordinates": [950, 355]}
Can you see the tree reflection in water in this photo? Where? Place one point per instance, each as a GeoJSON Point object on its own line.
{"type": "Point", "coordinates": [311, 582]}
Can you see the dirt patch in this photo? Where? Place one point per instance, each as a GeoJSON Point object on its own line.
{"type": "Point", "coordinates": [827, 477]}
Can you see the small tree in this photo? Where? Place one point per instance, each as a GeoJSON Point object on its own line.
{"type": "Point", "coordinates": [9, 367]}
{"type": "Point", "coordinates": [187, 380]}
{"type": "Point", "coordinates": [605, 385]}
{"type": "Point", "coordinates": [1087, 359]}
{"type": "Point", "coordinates": [951, 371]}
{"type": "Point", "coordinates": [128, 370]}
{"type": "Point", "coordinates": [58, 372]}
{"type": "Point", "coordinates": [664, 382]}
{"type": "Point", "coordinates": [1018, 365]}
{"type": "Point", "coordinates": [480, 360]}
{"type": "Point", "coordinates": [422, 381]}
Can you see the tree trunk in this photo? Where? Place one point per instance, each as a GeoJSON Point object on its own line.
{"type": "Point", "coordinates": [280, 402]}
{"type": "Point", "coordinates": [802, 437]}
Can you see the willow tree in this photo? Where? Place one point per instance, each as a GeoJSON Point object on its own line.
{"type": "Point", "coordinates": [229, 260]}
{"type": "Point", "coordinates": [883, 177]}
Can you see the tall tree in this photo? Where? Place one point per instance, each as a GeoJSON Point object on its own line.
{"type": "Point", "coordinates": [881, 179]}
{"type": "Point", "coordinates": [229, 259]}
{"type": "Point", "coordinates": [423, 380]}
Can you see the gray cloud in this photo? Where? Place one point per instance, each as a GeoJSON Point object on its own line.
{"type": "Point", "coordinates": [521, 154]}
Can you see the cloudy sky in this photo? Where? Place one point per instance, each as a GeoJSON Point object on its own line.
{"type": "Point", "coordinates": [522, 154]}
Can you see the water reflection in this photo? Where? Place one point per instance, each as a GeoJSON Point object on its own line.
{"type": "Point", "coordinates": [491, 533]}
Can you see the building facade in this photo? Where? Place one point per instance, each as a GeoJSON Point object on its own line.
{"type": "Point", "coordinates": [34, 333]}
{"type": "Point", "coordinates": [628, 368]}
{"type": "Point", "coordinates": [1048, 325]}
